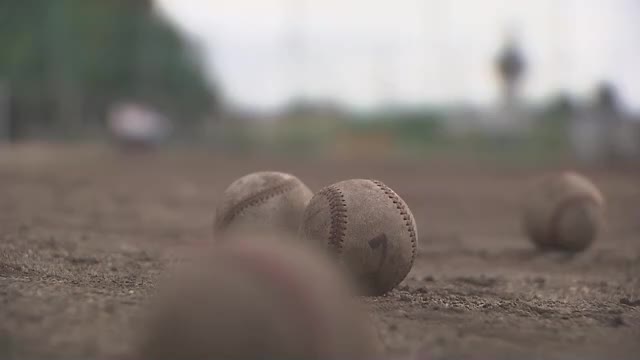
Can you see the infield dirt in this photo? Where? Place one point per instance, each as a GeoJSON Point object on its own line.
{"type": "Point", "coordinates": [85, 233]}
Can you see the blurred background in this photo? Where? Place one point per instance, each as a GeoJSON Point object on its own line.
{"type": "Point", "coordinates": [524, 80]}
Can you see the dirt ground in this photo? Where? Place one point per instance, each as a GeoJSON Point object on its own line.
{"type": "Point", "coordinates": [85, 232]}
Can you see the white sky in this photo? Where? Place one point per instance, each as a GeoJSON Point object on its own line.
{"type": "Point", "coordinates": [370, 52]}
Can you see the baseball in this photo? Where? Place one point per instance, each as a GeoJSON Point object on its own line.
{"type": "Point", "coordinates": [563, 212]}
{"type": "Point", "coordinates": [262, 200]}
{"type": "Point", "coordinates": [257, 300]}
{"type": "Point", "coordinates": [368, 228]}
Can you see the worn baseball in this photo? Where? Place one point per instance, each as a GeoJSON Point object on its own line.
{"type": "Point", "coordinates": [257, 300]}
{"type": "Point", "coordinates": [368, 228]}
{"type": "Point", "coordinates": [563, 212]}
{"type": "Point", "coordinates": [262, 200]}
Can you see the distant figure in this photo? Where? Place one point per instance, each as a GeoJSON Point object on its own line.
{"type": "Point", "coordinates": [135, 126]}
{"type": "Point", "coordinates": [602, 133]}
{"type": "Point", "coordinates": [607, 98]}
{"type": "Point", "coordinates": [511, 68]}
{"type": "Point", "coordinates": [622, 134]}
{"type": "Point", "coordinates": [589, 132]}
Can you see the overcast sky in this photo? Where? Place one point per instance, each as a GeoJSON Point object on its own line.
{"type": "Point", "coordinates": [370, 52]}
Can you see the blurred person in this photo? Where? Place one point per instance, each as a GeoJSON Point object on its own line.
{"type": "Point", "coordinates": [602, 132]}
{"type": "Point", "coordinates": [589, 128]}
{"type": "Point", "coordinates": [622, 134]}
{"type": "Point", "coordinates": [511, 66]}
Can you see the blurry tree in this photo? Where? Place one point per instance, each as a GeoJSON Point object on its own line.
{"type": "Point", "coordinates": [559, 108]}
{"type": "Point", "coordinates": [409, 127]}
{"type": "Point", "coordinates": [65, 62]}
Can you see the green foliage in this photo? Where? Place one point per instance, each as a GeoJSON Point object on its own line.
{"type": "Point", "coordinates": [409, 128]}
{"type": "Point", "coordinates": [99, 52]}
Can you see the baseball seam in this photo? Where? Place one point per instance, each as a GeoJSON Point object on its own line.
{"type": "Point", "coordinates": [404, 212]}
{"type": "Point", "coordinates": [258, 198]}
{"type": "Point", "coordinates": [338, 215]}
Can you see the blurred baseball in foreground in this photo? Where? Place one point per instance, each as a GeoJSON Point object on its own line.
{"type": "Point", "coordinates": [368, 228]}
{"type": "Point", "coordinates": [257, 300]}
{"type": "Point", "coordinates": [563, 212]}
{"type": "Point", "coordinates": [263, 200]}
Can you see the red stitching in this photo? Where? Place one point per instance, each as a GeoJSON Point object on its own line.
{"type": "Point", "coordinates": [338, 214]}
{"type": "Point", "coordinates": [256, 199]}
{"type": "Point", "coordinates": [404, 212]}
